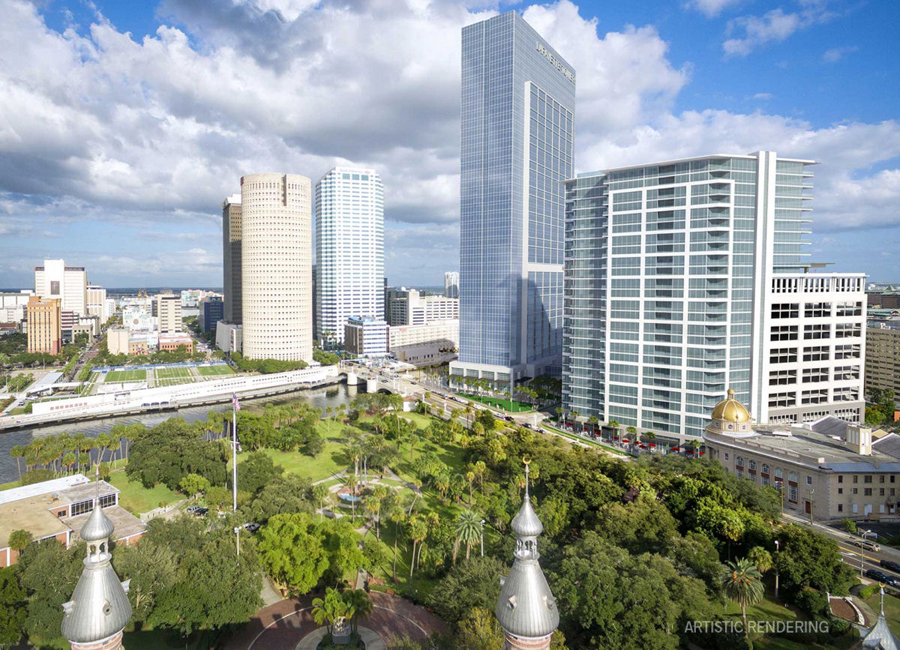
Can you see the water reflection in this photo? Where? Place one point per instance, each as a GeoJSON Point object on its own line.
{"type": "Point", "coordinates": [320, 398]}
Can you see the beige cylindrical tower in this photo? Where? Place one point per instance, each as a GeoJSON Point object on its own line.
{"type": "Point", "coordinates": [276, 224]}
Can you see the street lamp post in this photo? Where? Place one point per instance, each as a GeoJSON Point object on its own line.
{"type": "Point", "coordinates": [777, 548]}
{"type": "Point", "coordinates": [812, 504]}
{"type": "Point", "coordinates": [862, 550]}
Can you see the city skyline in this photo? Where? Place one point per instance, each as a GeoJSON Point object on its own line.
{"type": "Point", "coordinates": [133, 171]}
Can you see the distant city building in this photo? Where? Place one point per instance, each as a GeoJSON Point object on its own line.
{"type": "Point", "coordinates": [883, 298]}
{"type": "Point", "coordinates": [123, 341]}
{"type": "Point", "coordinates": [409, 307]}
{"type": "Point", "coordinates": [518, 105]}
{"type": "Point", "coordinates": [526, 608]}
{"type": "Point", "coordinates": [231, 257]}
{"type": "Point", "coordinates": [168, 311]}
{"type": "Point", "coordinates": [67, 283]}
{"type": "Point", "coordinates": [13, 306]}
{"type": "Point", "coordinates": [57, 509]}
{"type": "Point", "coordinates": [89, 325]}
{"type": "Point", "coordinates": [276, 262]}
{"type": "Point", "coordinates": [212, 310]}
{"type": "Point", "coordinates": [829, 469]}
{"type": "Point", "coordinates": [366, 337]}
{"type": "Point", "coordinates": [97, 303]}
{"type": "Point", "coordinates": [883, 361]}
{"type": "Point", "coordinates": [451, 284]}
{"type": "Point", "coordinates": [229, 337]}
{"type": "Point", "coordinates": [349, 249]}
{"type": "Point", "coordinates": [173, 342]}
{"type": "Point", "coordinates": [689, 276]}
{"type": "Point", "coordinates": [44, 325]}
{"type": "Point", "coordinates": [422, 345]}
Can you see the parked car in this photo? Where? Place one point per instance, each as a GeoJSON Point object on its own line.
{"type": "Point", "coordinates": [201, 511]}
{"type": "Point", "coordinates": [875, 574]}
{"type": "Point", "coordinates": [509, 418]}
{"type": "Point", "coordinates": [251, 526]}
{"type": "Point", "coordinates": [193, 509]}
{"type": "Point", "coordinates": [866, 546]}
{"type": "Point", "coordinates": [893, 566]}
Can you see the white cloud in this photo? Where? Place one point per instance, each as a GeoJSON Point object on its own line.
{"type": "Point", "coordinates": [774, 26]}
{"type": "Point", "coordinates": [763, 96]}
{"type": "Point", "coordinates": [836, 54]}
{"type": "Point", "coordinates": [711, 8]}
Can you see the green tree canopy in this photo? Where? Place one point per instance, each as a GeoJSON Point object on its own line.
{"type": "Point", "coordinates": [292, 551]}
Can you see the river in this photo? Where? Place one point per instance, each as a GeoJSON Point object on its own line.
{"type": "Point", "coordinates": [319, 398]}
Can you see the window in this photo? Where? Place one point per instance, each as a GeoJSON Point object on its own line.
{"type": "Point", "coordinates": [783, 355]}
{"type": "Point", "coordinates": [855, 478]}
{"type": "Point", "coordinates": [107, 500]}
{"type": "Point", "coordinates": [778, 473]}
{"type": "Point", "coordinates": [753, 465]}
{"type": "Point", "coordinates": [846, 372]}
{"type": "Point", "coordinates": [867, 492]}
{"type": "Point", "coordinates": [840, 507]}
{"type": "Point", "coordinates": [840, 490]}
{"type": "Point", "coordinates": [816, 353]}
{"type": "Point", "coordinates": [844, 330]}
{"type": "Point", "coordinates": [881, 492]}
{"type": "Point", "coordinates": [792, 477]}
{"type": "Point", "coordinates": [881, 478]}
{"type": "Point", "coordinates": [81, 507]}
{"type": "Point", "coordinates": [815, 375]}
{"type": "Point", "coordinates": [792, 493]}
{"type": "Point", "coordinates": [840, 479]}
{"type": "Point", "coordinates": [817, 310]}
{"type": "Point", "coordinates": [784, 333]}
{"type": "Point", "coordinates": [846, 352]}
{"type": "Point", "coordinates": [818, 331]}
{"type": "Point", "coordinates": [739, 461]}
{"type": "Point", "coordinates": [785, 310]}
{"type": "Point", "coordinates": [782, 377]}
{"type": "Point", "coordinates": [765, 481]}
{"type": "Point", "coordinates": [867, 479]}
{"type": "Point", "coordinates": [818, 396]}
{"type": "Point", "coordinates": [809, 480]}
{"type": "Point", "coordinates": [765, 468]}
{"type": "Point", "coordinates": [849, 309]}
{"type": "Point", "coordinates": [855, 491]}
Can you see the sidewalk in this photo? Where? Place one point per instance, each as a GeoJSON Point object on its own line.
{"type": "Point", "coordinates": [839, 535]}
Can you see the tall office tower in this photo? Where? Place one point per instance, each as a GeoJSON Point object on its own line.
{"type": "Point", "coordinates": [276, 262]}
{"type": "Point", "coordinates": [518, 103]}
{"type": "Point", "coordinates": [451, 284]}
{"type": "Point", "coordinates": [68, 283]}
{"type": "Point", "coordinates": [349, 249]}
{"type": "Point", "coordinates": [44, 325]}
{"type": "Point", "coordinates": [168, 310]}
{"type": "Point", "coordinates": [231, 258]}
{"type": "Point", "coordinates": [686, 278]}
{"type": "Point", "coordinates": [97, 304]}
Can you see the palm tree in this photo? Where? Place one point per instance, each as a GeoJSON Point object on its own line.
{"type": "Point", "coordinates": [650, 437]}
{"type": "Point", "coordinates": [329, 609]}
{"type": "Point", "coordinates": [17, 452]}
{"type": "Point", "coordinates": [397, 515]}
{"type": "Point", "coordinates": [742, 583]}
{"type": "Point", "coordinates": [468, 530]}
{"type": "Point", "coordinates": [593, 421]}
{"type": "Point", "coordinates": [68, 461]}
{"type": "Point", "coordinates": [418, 531]}
{"type": "Point", "coordinates": [358, 601]}
{"type": "Point", "coordinates": [761, 559]}
{"type": "Point", "coordinates": [470, 477]}
{"type": "Point", "coordinates": [614, 425]}
{"type": "Point", "coordinates": [352, 481]}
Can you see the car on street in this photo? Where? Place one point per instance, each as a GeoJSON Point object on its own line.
{"type": "Point", "coordinates": [193, 509]}
{"type": "Point", "coordinates": [892, 566]}
{"type": "Point", "coordinates": [881, 576]}
{"type": "Point", "coordinates": [866, 546]}
{"type": "Point", "coordinates": [201, 511]}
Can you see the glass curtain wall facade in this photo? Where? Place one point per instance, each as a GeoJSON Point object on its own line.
{"type": "Point", "coordinates": [349, 249]}
{"type": "Point", "coordinates": [518, 102]}
{"type": "Point", "coordinates": [668, 269]}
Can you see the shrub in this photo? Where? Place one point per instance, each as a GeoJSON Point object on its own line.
{"type": "Point", "coordinates": [813, 602]}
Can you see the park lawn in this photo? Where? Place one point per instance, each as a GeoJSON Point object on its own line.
{"type": "Point", "coordinates": [332, 459]}
{"type": "Point", "coordinates": [500, 403]}
{"type": "Point", "coordinates": [137, 499]}
{"type": "Point", "coordinates": [891, 610]}
{"type": "Point", "coordinates": [208, 371]}
{"type": "Point", "coordinates": [172, 373]}
{"type": "Point", "coordinates": [118, 376]}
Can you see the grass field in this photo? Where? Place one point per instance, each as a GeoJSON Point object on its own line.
{"type": "Point", "coordinates": [135, 498]}
{"type": "Point", "coordinates": [211, 371]}
{"type": "Point", "coordinates": [172, 373]}
{"type": "Point", "coordinates": [503, 404]}
{"type": "Point", "coordinates": [116, 376]}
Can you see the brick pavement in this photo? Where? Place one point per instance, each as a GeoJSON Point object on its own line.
{"type": "Point", "coordinates": [282, 625]}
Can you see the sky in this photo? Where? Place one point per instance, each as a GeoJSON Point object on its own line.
{"type": "Point", "coordinates": [123, 125]}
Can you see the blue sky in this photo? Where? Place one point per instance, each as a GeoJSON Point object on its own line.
{"type": "Point", "coordinates": [124, 124]}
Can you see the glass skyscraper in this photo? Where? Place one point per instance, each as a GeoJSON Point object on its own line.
{"type": "Point", "coordinates": [689, 277]}
{"type": "Point", "coordinates": [518, 104]}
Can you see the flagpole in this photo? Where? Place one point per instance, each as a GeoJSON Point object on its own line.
{"type": "Point", "coordinates": [234, 443]}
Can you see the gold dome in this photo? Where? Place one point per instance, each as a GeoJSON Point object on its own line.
{"type": "Point", "coordinates": [731, 410]}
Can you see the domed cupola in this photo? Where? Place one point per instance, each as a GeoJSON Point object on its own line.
{"type": "Point", "coordinates": [731, 418]}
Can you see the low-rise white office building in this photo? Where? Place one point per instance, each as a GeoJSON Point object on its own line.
{"type": "Point", "coordinates": [366, 337]}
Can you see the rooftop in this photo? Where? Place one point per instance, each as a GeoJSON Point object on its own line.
{"type": "Point", "coordinates": [125, 523]}
{"type": "Point", "coordinates": [46, 487]}
{"type": "Point", "coordinates": [30, 514]}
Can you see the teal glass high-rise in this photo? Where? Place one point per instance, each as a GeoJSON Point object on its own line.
{"type": "Point", "coordinates": [518, 104]}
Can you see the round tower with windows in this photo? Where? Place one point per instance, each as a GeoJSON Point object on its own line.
{"type": "Point", "coordinates": [526, 608]}
{"type": "Point", "coordinates": [99, 609]}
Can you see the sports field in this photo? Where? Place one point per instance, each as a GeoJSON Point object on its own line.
{"type": "Point", "coordinates": [209, 371]}
{"type": "Point", "coordinates": [117, 376]}
{"type": "Point", "coordinates": [172, 373]}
